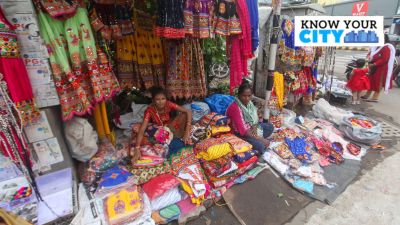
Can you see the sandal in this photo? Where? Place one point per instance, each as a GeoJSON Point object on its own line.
{"type": "Point", "coordinates": [372, 100]}
{"type": "Point", "coordinates": [353, 149]}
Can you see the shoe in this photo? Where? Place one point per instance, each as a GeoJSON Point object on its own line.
{"type": "Point", "coordinates": [353, 102]}
{"type": "Point", "coordinates": [372, 100]}
{"type": "Point", "coordinates": [358, 102]}
{"type": "Point", "coordinates": [364, 97]}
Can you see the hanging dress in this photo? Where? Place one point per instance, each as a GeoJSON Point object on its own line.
{"type": "Point", "coordinates": [74, 60]}
{"type": "Point", "coordinates": [226, 21]}
{"type": "Point", "coordinates": [170, 20]}
{"type": "Point", "coordinates": [140, 58]}
{"type": "Point", "coordinates": [198, 18]}
{"type": "Point", "coordinates": [14, 72]}
{"type": "Point", "coordinates": [185, 68]}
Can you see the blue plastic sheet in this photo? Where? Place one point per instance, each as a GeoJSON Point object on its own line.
{"type": "Point", "coordinates": [219, 103]}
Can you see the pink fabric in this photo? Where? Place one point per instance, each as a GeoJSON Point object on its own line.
{"type": "Point", "coordinates": [236, 116]}
{"type": "Point", "coordinates": [241, 49]}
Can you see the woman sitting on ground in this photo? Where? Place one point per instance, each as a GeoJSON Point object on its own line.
{"type": "Point", "coordinates": [244, 117]}
{"type": "Point", "coordinates": [162, 112]}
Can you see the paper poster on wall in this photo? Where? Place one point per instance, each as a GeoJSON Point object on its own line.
{"type": "Point", "coordinates": [45, 95]}
{"type": "Point", "coordinates": [17, 7]}
{"type": "Point", "coordinates": [39, 130]}
{"type": "Point", "coordinates": [27, 31]}
{"type": "Point", "coordinates": [37, 67]}
{"type": "Point", "coordinates": [48, 152]}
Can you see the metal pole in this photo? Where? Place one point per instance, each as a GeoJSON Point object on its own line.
{"type": "Point", "coordinates": [276, 5]}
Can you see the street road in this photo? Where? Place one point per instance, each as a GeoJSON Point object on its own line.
{"type": "Point", "coordinates": [343, 57]}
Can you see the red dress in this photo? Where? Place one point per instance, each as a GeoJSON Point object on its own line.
{"type": "Point", "coordinates": [161, 119]}
{"type": "Point", "coordinates": [359, 81]}
{"type": "Point", "coordinates": [14, 72]}
{"type": "Point", "coordinates": [378, 78]}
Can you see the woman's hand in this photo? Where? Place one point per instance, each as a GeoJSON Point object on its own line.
{"type": "Point", "coordinates": [265, 142]}
{"type": "Point", "coordinates": [186, 139]}
{"type": "Point", "coordinates": [135, 155]}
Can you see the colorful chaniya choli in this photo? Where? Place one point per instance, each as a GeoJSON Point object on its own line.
{"type": "Point", "coordinates": [185, 68]}
{"type": "Point", "coordinates": [140, 58]}
{"type": "Point", "coordinates": [197, 17]}
{"type": "Point", "coordinates": [82, 73]}
{"type": "Point", "coordinates": [14, 72]}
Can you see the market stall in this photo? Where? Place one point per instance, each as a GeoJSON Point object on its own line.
{"type": "Point", "coordinates": [86, 97]}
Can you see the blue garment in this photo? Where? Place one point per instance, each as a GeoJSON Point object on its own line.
{"type": "Point", "coordinates": [298, 148]}
{"type": "Point", "coordinates": [268, 129]}
{"type": "Point", "coordinates": [252, 6]}
{"type": "Point", "coordinates": [175, 145]}
{"type": "Point", "coordinates": [114, 177]}
{"type": "Point", "coordinates": [219, 103]}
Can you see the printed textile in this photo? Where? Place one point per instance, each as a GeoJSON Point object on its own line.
{"type": "Point", "coordinates": [140, 60]}
{"type": "Point", "coordinates": [197, 18]}
{"type": "Point", "coordinates": [213, 119]}
{"type": "Point", "coordinates": [81, 80]}
{"type": "Point", "coordinates": [170, 19]}
{"type": "Point", "coordinates": [108, 156]}
{"type": "Point", "coordinates": [217, 166]}
{"type": "Point", "coordinates": [238, 144]}
{"type": "Point", "coordinates": [185, 68]}
{"type": "Point", "coordinates": [123, 206]}
{"type": "Point", "coordinates": [182, 158]}
{"type": "Point", "coordinates": [244, 156]}
{"type": "Point", "coordinates": [114, 178]}
{"type": "Point", "coordinates": [212, 148]}
{"type": "Point", "coordinates": [226, 20]}
{"type": "Point", "coordinates": [144, 174]}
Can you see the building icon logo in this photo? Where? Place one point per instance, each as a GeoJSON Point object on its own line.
{"type": "Point", "coordinates": [361, 37]}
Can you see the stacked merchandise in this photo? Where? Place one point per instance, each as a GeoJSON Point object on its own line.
{"type": "Point", "coordinates": [224, 157]}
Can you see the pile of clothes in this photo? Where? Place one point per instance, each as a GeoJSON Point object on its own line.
{"type": "Point", "coordinates": [170, 181]}
{"type": "Point", "coordinates": [223, 156]}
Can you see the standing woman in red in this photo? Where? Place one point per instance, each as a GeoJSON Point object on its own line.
{"type": "Point", "coordinates": [381, 61]}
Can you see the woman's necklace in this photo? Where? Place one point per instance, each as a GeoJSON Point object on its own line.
{"type": "Point", "coordinates": [158, 115]}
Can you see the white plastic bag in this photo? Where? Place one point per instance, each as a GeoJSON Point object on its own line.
{"type": "Point", "coordinates": [334, 114]}
{"type": "Point", "coordinates": [81, 139]}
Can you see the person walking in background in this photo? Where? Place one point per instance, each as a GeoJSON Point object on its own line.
{"type": "Point", "coordinates": [381, 62]}
{"type": "Point", "coordinates": [358, 81]}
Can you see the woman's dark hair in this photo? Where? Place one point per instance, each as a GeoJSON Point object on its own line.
{"type": "Point", "coordinates": [387, 40]}
{"type": "Point", "coordinates": [244, 86]}
{"type": "Point", "coordinates": [397, 52]}
{"type": "Point", "coordinates": [156, 91]}
{"type": "Point", "coordinates": [360, 63]}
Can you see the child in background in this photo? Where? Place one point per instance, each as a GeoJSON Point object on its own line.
{"type": "Point", "coordinates": [358, 81]}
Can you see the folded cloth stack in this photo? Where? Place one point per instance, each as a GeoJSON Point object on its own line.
{"type": "Point", "coordinates": [225, 158]}
{"type": "Point", "coordinates": [186, 167]}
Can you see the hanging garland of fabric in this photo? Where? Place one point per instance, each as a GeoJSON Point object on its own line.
{"type": "Point", "coordinates": [12, 141]}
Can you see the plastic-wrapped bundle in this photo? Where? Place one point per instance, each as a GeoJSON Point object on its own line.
{"type": "Point", "coordinates": [362, 129]}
